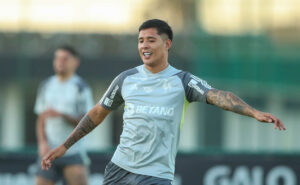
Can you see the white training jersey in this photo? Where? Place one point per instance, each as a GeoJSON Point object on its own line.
{"type": "Point", "coordinates": [72, 97]}
{"type": "Point", "coordinates": [154, 110]}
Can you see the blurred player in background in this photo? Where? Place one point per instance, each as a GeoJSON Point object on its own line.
{"type": "Point", "coordinates": [155, 96]}
{"type": "Point", "coordinates": [62, 101]}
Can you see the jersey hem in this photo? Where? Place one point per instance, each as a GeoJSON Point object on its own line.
{"type": "Point", "coordinates": [118, 163]}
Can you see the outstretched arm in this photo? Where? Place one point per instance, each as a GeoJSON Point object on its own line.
{"type": "Point", "coordinates": [229, 101]}
{"type": "Point", "coordinates": [91, 120]}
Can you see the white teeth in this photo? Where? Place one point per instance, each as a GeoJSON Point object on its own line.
{"type": "Point", "coordinates": [147, 54]}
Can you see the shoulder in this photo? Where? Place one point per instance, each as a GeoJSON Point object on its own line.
{"type": "Point", "coordinates": [129, 72]}
{"type": "Point", "coordinates": [183, 75]}
{"type": "Point", "coordinates": [121, 77]}
{"type": "Point", "coordinates": [189, 79]}
{"type": "Point", "coordinates": [187, 75]}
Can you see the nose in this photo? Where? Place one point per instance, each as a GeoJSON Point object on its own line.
{"type": "Point", "coordinates": [144, 45]}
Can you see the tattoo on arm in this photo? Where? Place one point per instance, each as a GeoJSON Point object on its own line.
{"type": "Point", "coordinates": [229, 101]}
{"type": "Point", "coordinates": [85, 126]}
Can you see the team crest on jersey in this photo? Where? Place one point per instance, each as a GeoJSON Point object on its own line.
{"type": "Point", "coordinates": [167, 85]}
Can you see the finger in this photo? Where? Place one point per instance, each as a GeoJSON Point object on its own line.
{"type": "Point", "coordinates": [278, 127]}
{"type": "Point", "coordinates": [278, 123]}
{"type": "Point", "coordinates": [281, 125]}
{"type": "Point", "coordinates": [271, 118]}
{"type": "Point", "coordinates": [268, 118]}
{"type": "Point", "coordinates": [43, 165]}
{"type": "Point", "coordinates": [46, 164]}
{"type": "Point", "coordinates": [48, 159]}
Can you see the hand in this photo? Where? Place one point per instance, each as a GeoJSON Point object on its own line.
{"type": "Point", "coordinates": [269, 118]}
{"type": "Point", "coordinates": [43, 149]}
{"type": "Point", "coordinates": [52, 113]}
{"type": "Point", "coordinates": [52, 155]}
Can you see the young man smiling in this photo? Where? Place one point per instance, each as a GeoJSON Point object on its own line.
{"type": "Point", "coordinates": [155, 96]}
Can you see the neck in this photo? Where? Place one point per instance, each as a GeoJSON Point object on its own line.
{"type": "Point", "coordinates": [63, 77]}
{"type": "Point", "coordinates": [157, 68]}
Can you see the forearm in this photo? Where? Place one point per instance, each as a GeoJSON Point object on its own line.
{"type": "Point", "coordinates": [40, 130]}
{"type": "Point", "coordinates": [229, 101]}
{"type": "Point", "coordinates": [85, 126]}
{"type": "Point", "coordinates": [91, 120]}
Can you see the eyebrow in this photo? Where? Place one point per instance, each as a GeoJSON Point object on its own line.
{"type": "Point", "coordinates": [149, 37]}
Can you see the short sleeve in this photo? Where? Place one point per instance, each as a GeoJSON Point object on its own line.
{"type": "Point", "coordinates": [40, 105]}
{"type": "Point", "coordinates": [195, 88]}
{"type": "Point", "coordinates": [112, 98]}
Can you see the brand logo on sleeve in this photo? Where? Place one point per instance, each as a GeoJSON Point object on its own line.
{"type": "Point", "coordinates": [113, 94]}
{"type": "Point", "coordinates": [108, 102]}
{"type": "Point", "coordinates": [203, 82]}
{"type": "Point", "coordinates": [193, 84]}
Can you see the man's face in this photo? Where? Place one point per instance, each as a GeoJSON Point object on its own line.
{"type": "Point", "coordinates": [153, 48]}
{"type": "Point", "coordinates": [64, 62]}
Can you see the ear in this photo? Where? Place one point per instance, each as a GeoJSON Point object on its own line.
{"type": "Point", "coordinates": [168, 44]}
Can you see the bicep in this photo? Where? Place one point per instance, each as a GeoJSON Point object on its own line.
{"type": "Point", "coordinates": [112, 98]}
{"type": "Point", "coordinates": [195, 88]}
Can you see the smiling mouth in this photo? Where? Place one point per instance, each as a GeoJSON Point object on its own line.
{"type": "Point", "coordinates": [147, 54]}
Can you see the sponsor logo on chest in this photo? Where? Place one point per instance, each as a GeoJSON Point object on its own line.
{"type": "Point", "coordinates": [131, 109]}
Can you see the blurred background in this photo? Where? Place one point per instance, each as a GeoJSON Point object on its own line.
{"type": "Point", "coordinates": [249, 47]}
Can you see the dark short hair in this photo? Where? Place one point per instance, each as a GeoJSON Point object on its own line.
{"type": "Point", "coordinates": [69, 49]}
{"type": "Point", "coordinates": [161, 26]}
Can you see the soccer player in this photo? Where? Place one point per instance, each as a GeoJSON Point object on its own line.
{"type": "Point", "coordinates": [155, 96]}
{"type": "Point", "coordinates": [62, 101]}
